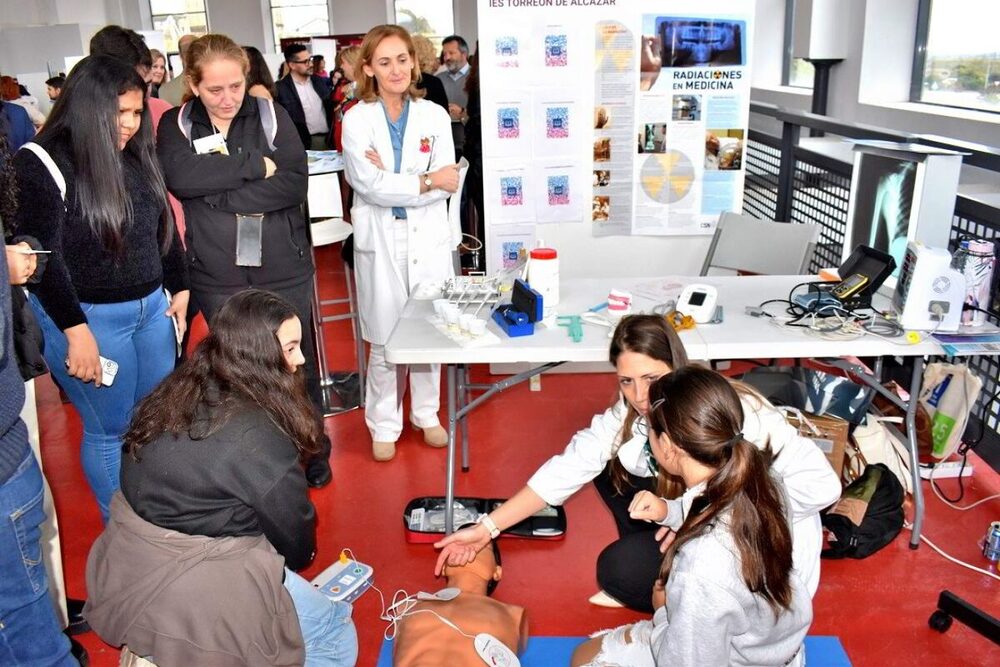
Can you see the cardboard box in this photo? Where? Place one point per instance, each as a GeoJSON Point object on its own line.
{"type": "Point", "coordinates": [829, 433]}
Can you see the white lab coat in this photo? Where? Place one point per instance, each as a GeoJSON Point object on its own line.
{"type": "Point", "coordinates": [810, 483]}
{"type": "Point", "coordinates": [430, 237]}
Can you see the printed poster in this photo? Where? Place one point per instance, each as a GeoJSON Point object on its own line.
{"type": "Point", "coordinates": [641, 106]}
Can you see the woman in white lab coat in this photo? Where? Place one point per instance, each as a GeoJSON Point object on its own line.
{"type": "Point", "coordinates": [615, 454]}
{"type": "Point", "coordinates": [398, 153]}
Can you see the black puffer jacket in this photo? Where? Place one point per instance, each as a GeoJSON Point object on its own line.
{"type": "Point", "coordinates": [214, 188]}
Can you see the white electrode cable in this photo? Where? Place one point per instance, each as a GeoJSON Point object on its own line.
{"type": "Point", "coordinates": [960, 508]}
{"type": "Point", "coordinates": [909, 526]}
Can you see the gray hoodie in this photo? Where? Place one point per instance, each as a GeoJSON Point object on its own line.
{"type": "Point", "coordinates": [712, 618]}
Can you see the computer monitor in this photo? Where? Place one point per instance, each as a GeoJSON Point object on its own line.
{"type": "Point", "coordinates": [900, 193]}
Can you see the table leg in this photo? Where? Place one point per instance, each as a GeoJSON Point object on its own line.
{"type": "Point", "coordinates": [449, 498]}
{"type": "Point", "coordinates": [911, 442]}
{"type": "Point", "coordinates": [463, 421]}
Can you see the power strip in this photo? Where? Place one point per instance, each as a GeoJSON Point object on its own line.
{"type": "Point", "coordinates": [945, 470]}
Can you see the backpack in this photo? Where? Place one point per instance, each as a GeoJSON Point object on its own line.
{"type": "Point", "coordinates": [265, 108]}
{"type": "Point", "coordinates": [50, 164]}
{"type": "Point", "coordinates": [29, 343]}
{"type": "Point", "coordinates": [868, 515]}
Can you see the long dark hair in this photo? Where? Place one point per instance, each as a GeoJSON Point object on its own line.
{"type": "Point", "coordinates": [652, 336]}
{"type": "Point", "coordinates": [239, 363]}
{"type": "Point", "coordinates": [700, 412]}
{"type": "Point", "coordinates": [85, 117]}
{"type": "Point", "coordinates": [259, 73]}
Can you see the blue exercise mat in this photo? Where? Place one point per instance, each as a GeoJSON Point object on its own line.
{"type": "Point", "coordinates": [556, 651]}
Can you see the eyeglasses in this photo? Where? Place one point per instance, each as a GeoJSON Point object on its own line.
{"type": "Point", "coordinates": [642, 430]}
{"type": "Point", "coordinates": [301, 62]}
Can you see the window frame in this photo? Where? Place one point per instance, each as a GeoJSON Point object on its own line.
{"type": "Point", "coordinates": [204, 10]}
{"type": "Point", "coordinates": [923, 29]}
{"type": "Point", "coordinates": [274, 27]}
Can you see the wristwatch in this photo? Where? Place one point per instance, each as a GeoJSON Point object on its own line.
{"type": "Point", "coordinates": [487, 521]}
{"type": "Point", "coordinates": [427, 181]}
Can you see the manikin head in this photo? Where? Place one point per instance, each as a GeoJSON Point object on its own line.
{"type": "Point", "coordinates": [481, 576]}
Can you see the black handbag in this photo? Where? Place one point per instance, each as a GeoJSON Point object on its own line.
{"type": "Point", "coordinates": [868, 515]}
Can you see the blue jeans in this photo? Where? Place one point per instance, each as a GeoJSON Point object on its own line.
{"type": "Point", "coordinates": [29, 631]}
{"type": "Point", "coordinates": [327, 628]}
{"type": "Point", "coordinates": [140, 338]}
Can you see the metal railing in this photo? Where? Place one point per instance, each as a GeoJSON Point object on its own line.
{"type": "Point", "coordinates": [786, 181]}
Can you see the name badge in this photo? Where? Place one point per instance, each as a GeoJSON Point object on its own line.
{"type": "Point", "coordinates": [215, 143]}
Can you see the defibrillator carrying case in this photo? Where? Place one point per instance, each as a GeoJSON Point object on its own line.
{"type": "Point", "coordinates": [423, 519]}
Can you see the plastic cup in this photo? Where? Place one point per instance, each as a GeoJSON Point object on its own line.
{"type": "Point", "coordinates": [451, 317]}
{"type": "Point", "coordinates": [477, 327]}
{"type": "Point", "coordinates": [439, 306]}
{"type": "Point", "coordinates": [465, 321]}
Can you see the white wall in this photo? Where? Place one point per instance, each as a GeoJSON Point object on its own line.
{"type": "Point", "coordinates": [466, 22]}
{"type": "Point", "coordinates": [872, 85]}
{"type": "Point", "coordinates": [238, 19]}
{"type": "Point", "coordinates": [357, 16]}
{"type": "Point", "coordinates": [36, 48]}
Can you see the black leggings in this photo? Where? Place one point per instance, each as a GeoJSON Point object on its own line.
{"type": "Point", "coordinates": [629, 566]}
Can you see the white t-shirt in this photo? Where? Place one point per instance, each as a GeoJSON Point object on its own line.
{"type": "Point", "coordinates": [312, 105]}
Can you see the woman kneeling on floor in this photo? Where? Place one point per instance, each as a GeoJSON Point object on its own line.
{"type": "Point", "coordinates": [731, 596]}
{"type": "Point", "coordinates": [195, 565]}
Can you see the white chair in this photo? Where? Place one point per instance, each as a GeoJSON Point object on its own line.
{"type": "Point", "coordinates": [324, 202]}
{"type": "Point", "coordinates": [746, 245]}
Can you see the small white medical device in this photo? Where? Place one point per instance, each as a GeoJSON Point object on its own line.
{"type": "Point", "coordinates": [929, 293]}
{"type": "Point", "coordinates": [698, 301]}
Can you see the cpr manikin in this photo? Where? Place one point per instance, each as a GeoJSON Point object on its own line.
{"type": "Point", "coordinates": [460, 625]}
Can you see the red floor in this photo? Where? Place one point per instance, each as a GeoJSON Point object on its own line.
{"type": "Point", "coordinates": [878, 607]}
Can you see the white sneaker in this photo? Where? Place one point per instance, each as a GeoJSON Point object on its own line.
{"type": "Point", "coordinates": [602, 599]}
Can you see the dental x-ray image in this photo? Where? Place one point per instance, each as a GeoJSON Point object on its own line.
{"type": "Point", "coordinates": [700, 42]}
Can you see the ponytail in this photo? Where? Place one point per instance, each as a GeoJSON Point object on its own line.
{"type": "Point", "coordinates": [701, 413]}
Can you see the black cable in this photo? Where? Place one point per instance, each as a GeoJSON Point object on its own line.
{"type": "Point", "coordinates": [984, 417]}
{"type": "Point", "coordinates": [963, 449]}
{"type": "Point", "coordinates": [989, 313]}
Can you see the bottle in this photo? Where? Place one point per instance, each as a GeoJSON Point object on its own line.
{"type": "Point", "coordinates": [543, 276]}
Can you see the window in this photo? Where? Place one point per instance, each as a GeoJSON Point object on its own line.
{"type": "Point", "coordinates": [957, 56]}
{"type": "Point", "coordinates": [299, 18]}
{"type": "Point", "coordinates": [801, 74]}
{"type": "Point", "coordinates": [796, 72]}
{"type": "Point", "coordinates": [176, 18]}
{"type": "Point", "coordinates": [431, 18]}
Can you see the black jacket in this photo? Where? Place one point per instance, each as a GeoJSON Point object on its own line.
{"type": "Point", "coordinates": [244, 479]}
{"type": "Point", "coordinates": [288, 97]}
{"type": "Point", "coordinates": [81, 268]}
{"type": "Point", "coordinates": [435, 90]}
{"type": "Point", "coordinates": [214, 188]}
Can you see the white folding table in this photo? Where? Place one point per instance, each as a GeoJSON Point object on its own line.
{"type": "Point", "coordinates": [415, 340]}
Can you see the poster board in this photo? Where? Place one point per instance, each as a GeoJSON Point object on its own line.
{"type": "Point", "coordinates": [612, 118]}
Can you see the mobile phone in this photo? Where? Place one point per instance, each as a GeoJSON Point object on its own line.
{"type": "Point", "coordinates": [109, 369]}
{"type": "Point", "coordinates": [850, 286]}
{"type": "Point", "coordinates": [177, 325]}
